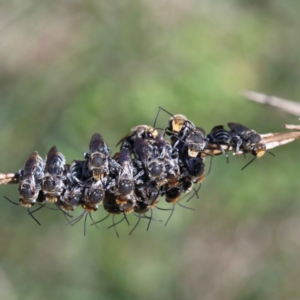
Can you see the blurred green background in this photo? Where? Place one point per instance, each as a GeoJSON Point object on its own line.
{"type": "Point", "coordinates": [72, 68]}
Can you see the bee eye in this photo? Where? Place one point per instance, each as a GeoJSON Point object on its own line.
{"type": "Point", "coordinates": [125, 187]}
{"type": "Point", "coordinates": [155, 169]}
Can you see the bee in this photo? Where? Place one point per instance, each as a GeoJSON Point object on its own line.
{"type": "Point", "coordinates": [110, 204]}
{"type": "Point", "coordinates": [30, 183]}
{"type": "Point", "coordinates": [247, 139]}
{"type": "Point", "coordinates": [145, 132]}
{"type": "Point", "coordinates": [124, 189]}
{"type": "Point", "coordinates": [220, 136]}
{"type": "Point", "coordinates": [73, 193]}
{"type": "Point", "coordinates": [52, 182]}
{"type": "Point", "coordinates": [30, 180]}
{"type": "Point", "coordinates": [71, 198]}
{"type": "Point", "coordinates": [250, 140]}
{"type": "Point", "coordinates": [75, 173]}
{"type": "Point", "coordinates": [190, 142]}
{"type": "Point", "coordinates": [163, 151]}
{"type": "Point", "coordinates": [174, 189]}
{"type": "Point", "coordinates": [113, 208]}
{"type": "Point", "coordinates": [148, 193]}
{"type": "Point", "coordinates": [179, 128]}
{"type": "Point", "coordinates": [178, 123]}
{"type": "Point", "coordinates": [148, 196]}
{"type": "Point", "coordinates": [194, 169]}
{"type": "Point", "coordinates": [98, 157]}
{"type": "Point", "coordinates": [147, 162]}
{"type": "Point", "coordinates": [92, 196]}
{"type": "Point", "coordinates": [184, 133]}
{"type": "Point", "coordinates": [195, 141]}
{"type": "Point", "coordinates": [173, 194]}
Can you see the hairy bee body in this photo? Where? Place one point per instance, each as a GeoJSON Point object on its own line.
{"type": "Point", "coordinates": [52, 182]}
{"type": "Point", "coordinates": [98, 157]}
{"type": "Point", "coordinates": [247, 139]}
{"type": "Point", "coordinates": [30, 180]}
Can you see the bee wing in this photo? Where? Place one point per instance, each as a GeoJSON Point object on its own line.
{"type": "Point", "coordinates": [124, 156]}
{"type": "Point", "coordinates": [96, 143]}
{"type": "Point", "coordinates": [55, 162]}
{"type": "Point", "coordinates": [31, 164]}
{"type": "Point", "coordinates": [141, 148]}
{"type": "Point", "coordinates": [238, 128]}
{"type": "Point", "coordinates": [50, 155]}
{"type": "Point", "coordinates": [218, 127]}
{"type": "Point", "coordinates": [200, 130]}
{"type": "Point", "coordinates": [125, 137]}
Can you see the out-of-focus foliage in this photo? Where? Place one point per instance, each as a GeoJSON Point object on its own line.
{"type": "Point", "coordinates": [72, 68]}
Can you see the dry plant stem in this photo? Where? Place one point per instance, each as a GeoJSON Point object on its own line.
{"type": "Point", "coordinates": [9, 178]}
{"type": "Point", "coordinates": [288, 106]}
{"type": "Point", "coordinates": [290, 126]}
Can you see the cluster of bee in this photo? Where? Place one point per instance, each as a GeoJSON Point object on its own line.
{"type": "Point", "coordinates": [133, 180]}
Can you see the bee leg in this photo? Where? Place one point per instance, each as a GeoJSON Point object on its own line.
{"type": "Point", "coordinates": [141, 173]}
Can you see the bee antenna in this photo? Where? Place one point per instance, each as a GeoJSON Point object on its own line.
{"type": "Point", "coordinates": [125, 217]}
{"type": "Point", "coordinates": [159, 109]}
{"type": "Point", "coordinates": [136, 225]}
{"type": "Point", "coordinates": [32, 216]}
{"type": "Point", "coordinates": [196, 193]}
{"type": "Point", "coordinates": [114, 225]}
{"type": "Point", "coordinates": [43, 205]}
{"type": "Point", "coordinates": [178, 138]}
{"type": "Point", "coordinates": [210, 165]}
{"type": "Point", "coordinates": [65, 213]}
{"type": "Point", "coordinates": [11, 201]}
{"type": "Point", "coordinates": [248, 163]}
{"type": "Point", "coordinates": [271, 153]}
{"type": "Point", "coordinates": [100, 220]}
{"type": "Point", "coordinates": [84, 223]}
{"type": "Point", "coordinates": [77, 219]}
{"type": "Point", "coordinates": [51, 208]}
{"type": "Point", "coordinates": [146, 217]}
{"type": "Point", "coordinates": [150, 219]}
{"type": "Point", "coordinates": [185, 206]}
{"type": "Point", "coordinates": [91, 217]}
{"type": "Point", "coordinates": [154, 124]}
{"type": "Point", "coordinates": [166, 111]}
{"type": "Point", "coordinates": [163, 208]}
{"type": "Point", "coordinates": [172, 211]}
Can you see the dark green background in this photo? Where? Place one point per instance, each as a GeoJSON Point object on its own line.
{"type": "Point", "coordinates": [72, 68]}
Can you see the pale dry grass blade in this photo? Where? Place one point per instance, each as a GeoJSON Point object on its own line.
{"type": "Point", "coordinates": [288, 106]}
